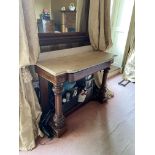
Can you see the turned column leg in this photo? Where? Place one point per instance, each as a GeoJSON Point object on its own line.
{"type": "Point", "coordinates": [58, 119]}
{"type": "Point", "coordinates": [102, 93]}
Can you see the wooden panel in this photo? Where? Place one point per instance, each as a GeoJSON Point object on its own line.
{"type": "Point", "coordinates": [68, 40]}
{"type": "Point", "coordinates": [62, 46]}
{"type": "Point", "coordinates": [62, 40]}
{"type": "Point", "coordinates": [78, 75]}
{"type": "Point", "coordinates": [53, 79]}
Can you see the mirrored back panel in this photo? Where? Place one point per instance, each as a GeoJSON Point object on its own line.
{"type": "Point", "coordinates": [59, 16]}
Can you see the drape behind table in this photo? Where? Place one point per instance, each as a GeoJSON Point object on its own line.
{"type": "Point", "coordinates": [29, 108]}
{"type": "Point", "coordinates": [99, 24]}
{"type": "Point", "coordinates": [129, 69]}
{"type": "Point", "coordinates": [82, 15]}
{"type": "Point", "coordinates": [100, 32]}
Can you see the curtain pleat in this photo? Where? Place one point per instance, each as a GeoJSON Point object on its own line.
{"type": "Point", "coordinates": [29, 108]}
{"type": "Point", "coordinates": [99, 29]}
{"type": "Point", "coordinates": [28, 42]}
{"type": "Point", "coordinates": [82, 15]}
{"type": "Point", "coordinates": [129, 69]}
{"type": "Point", "coordinates": [99, 24]}
{"type": "Point", "coordinates": [100, 32]}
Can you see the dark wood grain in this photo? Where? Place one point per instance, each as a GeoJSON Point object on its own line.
{"type": "Point", "coordinates": [83, 73]}
{"type": "Point", "coordinates": [58, 124]}
{"type": "Point", "coordinates": [54, 41]}
{"type": "Point", "coordinates": [71, 77]}
{"type": "Point", "coordinates": [53, 79]}
{"type": "Point", "coordinates": [58, 119]}
{"type": "Point", "coordinates": [43, 93]}
{"type": "Point", "coordinates": [101, 96]}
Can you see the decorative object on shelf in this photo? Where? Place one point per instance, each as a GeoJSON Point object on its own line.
{"type": "Point", "coordinates": [45, 15]}
{"type": "Point", "coordinates": [71, 7]}
{"type": "Point", "coordinates": [75, 91]}
{"type": "Point", "coordinates": [45, 23]}
{"type": "Point", "coordinates": [88, 83]}
{"type": "Point", "coordinates": [64, 100]}
{"type": "Point", "coordinates": [68, 96]}
{"type": "Point", "coordinates": [82, 95]}
{"type": "Point", "coordinates": [68, 86]}
{"type": "Point", "coordinates": [63, 8]}
{"type": "Point", "coordinates": [88, 77]}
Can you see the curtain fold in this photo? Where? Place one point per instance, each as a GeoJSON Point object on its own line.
{"type": "Point", "coordinates": [29, 108]}
{"type": "Point", "coordinates": [129, 69]}
{"type": "Point", "coordinates": [28, 43]}
{"type": "Point", "coordinates": [99, 24]}
{"type": "Point", "coordinates": [100, 32]}
{"type": "Point", "coordinates": [82, 9]}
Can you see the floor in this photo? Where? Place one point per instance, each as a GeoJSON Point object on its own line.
{"type": "Point", "coordinates": [97, 129]}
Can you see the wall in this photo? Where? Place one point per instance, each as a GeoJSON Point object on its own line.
{"type": "Point", "coordinates": [40, 5]}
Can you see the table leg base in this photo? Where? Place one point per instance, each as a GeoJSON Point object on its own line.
{"type": "Point", "coordinates": [59, 132]}
{"type": "Point", "coordinates": [103, 100]}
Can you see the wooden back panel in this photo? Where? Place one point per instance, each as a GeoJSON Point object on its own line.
{"type": "Point", "coordinates": [58, 41]}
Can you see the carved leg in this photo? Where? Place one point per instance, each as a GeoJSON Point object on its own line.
{"type": "Point", "coordinates": [102, 97]}
{"type": "Point", "coordinates": [58, 119]}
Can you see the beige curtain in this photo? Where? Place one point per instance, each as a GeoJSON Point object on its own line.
{"type": "Point", "coordinates": [100, 32]}
{"type": "Point", "coordinates": [29, 108]}
{"type": "Point", "coordinates": [129, 59]}
{"type": "Point", "coordinates": [129, 70]}
{"type": "Point", "coordinates": [99, 24]}
{"type": "Point", "coordinates": [82, 9]}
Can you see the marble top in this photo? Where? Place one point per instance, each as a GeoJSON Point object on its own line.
{"type": "Point", "coordinates": [72, 60]}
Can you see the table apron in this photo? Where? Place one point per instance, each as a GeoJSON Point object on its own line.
{"type": "Point", "coordinates": [83, 73]}
{"type": "Point", "coordinates": [71, 77]}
